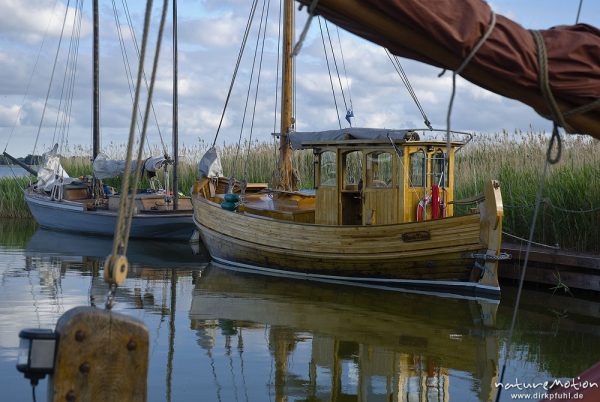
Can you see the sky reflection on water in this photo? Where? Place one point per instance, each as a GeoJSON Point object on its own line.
{"type": "Point", "coordinates": [218, 335]}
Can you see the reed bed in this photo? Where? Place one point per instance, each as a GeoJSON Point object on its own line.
{"type": "Point", "coordinates": [569, 217]}
{"type": "Point", "coordinates": [12, 203]}
{"type": "Point", "coordinates": [570, 213]}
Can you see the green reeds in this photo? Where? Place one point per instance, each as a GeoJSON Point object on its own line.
{"type": "Point", "coordinates": [12, 203]}
{"type": "Point", "coordinates": [516, 160]}
{"type": "Point", "coordinates": [569, 215]}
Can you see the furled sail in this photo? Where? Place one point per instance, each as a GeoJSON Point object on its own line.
{"type": "Point", "coordinates": [443, 33]}
{"type": "Point", "coordinates": [51, 172]}
{"type": "Point", "coordinates": [105, 168]}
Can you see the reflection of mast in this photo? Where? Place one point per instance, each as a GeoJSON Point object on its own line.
{"type": "Point", "coordinates": [281, 341]}
{"type": "Point", "coordinates": [171, 332]}
{"type": "Point", "coordinates": [240, 347]}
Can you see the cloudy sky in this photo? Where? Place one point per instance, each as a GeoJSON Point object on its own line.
{"type": "Point", "coordinates": [210, 33]}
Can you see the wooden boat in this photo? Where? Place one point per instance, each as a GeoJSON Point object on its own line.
{"type": "Point", "coordinates": [382, 214]}
{"type": "Point", "coordinates": [82, 205]}
{"type": "Point", "coordinates": [385, 334]}
{"type": "Point", "coordinates": [372, 226]}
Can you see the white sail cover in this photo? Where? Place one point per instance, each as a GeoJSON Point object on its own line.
{"type": "Point", "coordinates": [210, 164]}
{"type": "Point", "coordinates": [105, 168]}
{"type": "Point", "coordinates": [51, 171]}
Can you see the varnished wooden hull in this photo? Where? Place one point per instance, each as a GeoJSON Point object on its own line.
{"type": "Point", "coordinates": [379, 256]}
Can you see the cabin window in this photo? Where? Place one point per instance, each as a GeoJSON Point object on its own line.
{"type": "Point", "coordinates": [328, 169]}
{"type": "Point", "coordinates": [439, 169]}
{"type": "Point", "coordinates": [418, 169]}
{"type": "Point", "coordinates": [353, 171]}
{"type": "Point", "coordinates": [379, 170]}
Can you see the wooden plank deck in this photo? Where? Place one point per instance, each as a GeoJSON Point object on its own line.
{"type": "Point", "coordinates": [553, 267]}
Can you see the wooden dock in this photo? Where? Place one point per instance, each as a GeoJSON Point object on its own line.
{"type": "Point", "coordinates": [560, 270]}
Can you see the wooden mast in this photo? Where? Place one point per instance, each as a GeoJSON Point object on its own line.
{"type": "Point", "coordinates": [285, 150]}
{"type": "Point", "coordinates": [96, 85]}
{"type": "Point", "coordinates": [175, 112]}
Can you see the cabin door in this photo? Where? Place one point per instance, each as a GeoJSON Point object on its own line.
{"type": "Point", "coordinates": [379, 193]}
{"type": "Point", "coordinates": [327, 204]}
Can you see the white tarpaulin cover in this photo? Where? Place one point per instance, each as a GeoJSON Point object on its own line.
{"type": "Point", "coordinates": [50, 171]}
{"type": "Point", "coordinates": [105, 168]}
{"type": "Point", "coordinates": [210, 164]}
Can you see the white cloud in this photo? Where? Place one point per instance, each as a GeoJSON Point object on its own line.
{"type": "Point", "coordinates": [210, 34]}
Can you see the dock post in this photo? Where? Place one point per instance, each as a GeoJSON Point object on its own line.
{"type": "Point", "coordinates": [100, 356]}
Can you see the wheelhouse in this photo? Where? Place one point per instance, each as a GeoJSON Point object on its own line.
{"type": "Point", "coordinates": [386, 179]}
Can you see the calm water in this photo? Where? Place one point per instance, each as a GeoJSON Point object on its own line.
{"type": "Point", "coordinates": [8, 171]}
{"type": "Point", "coordinates": [216, 335]}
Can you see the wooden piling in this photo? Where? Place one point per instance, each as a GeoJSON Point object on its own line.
{"type": "Point", "coordinates": [101, 356]}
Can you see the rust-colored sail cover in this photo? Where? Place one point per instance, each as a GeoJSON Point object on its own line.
{"type": "Point", "coordinates": [443, 32]}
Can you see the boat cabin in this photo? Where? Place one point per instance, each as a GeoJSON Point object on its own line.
{"type": "Point", "coordinates": [379, 177]}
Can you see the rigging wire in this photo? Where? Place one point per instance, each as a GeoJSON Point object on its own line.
{"type": "Point", "coordinates": [66, 82]}
{"type": "Point", "coordinates": [126, 205]}
{"type": "Point", "coordinates": [329, 70]}
{"type": "Point", "coordinates": [249, 89]}
{"type": "Point", "coordinates": [578, 11]}
{"type": "Point", "coordinates": [404, 78]}
{"type": "Point", "coordinates": [70, 95]}
{"type": "Point", "coordinates": [344, 65]}
{"type": "Point", "coordinates": [37, 59]}
{"type": "Point", "coordinates": [277, 80]}
{"type": "Point", "coordinates": [335, 64]}
{"type": "Point", "coordinates": [262, 51]}
{"type": "Point", "coordinates": [127, 66]}
{"type": "Point", "coordinates": [138, 171]}
{"type": "Point", "coordinates": [137, 50]}
{"type": "Point", "coordinates": [237, 66]}
{"type": "Point", "coordinates": [51, 77]}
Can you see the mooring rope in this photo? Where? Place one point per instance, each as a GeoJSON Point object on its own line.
{"type": "Point", "coordinates": [555, 141]}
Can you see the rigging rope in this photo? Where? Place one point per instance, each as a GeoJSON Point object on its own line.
{"type": "Point", "coordinates": [249, 89]}
{"type": "Point", "coordinates": [139, 164]}
{"type": "Point", "coordinates": [51, 77]}
{"type": "Point", "coordinates": [262, 51]}
{"type": "Point", "coordinates": [404, 78]}
{"type": "Point", "coordinates": [37, 59]}
{"type": "Point", "coordinates": [127, 65]}
{"type": "Point", "coordinates": [70, 65]}
{"type": "Point", "coordinates": [277, 81]}
{"type": "Point", "coordinates": [555, 141]}
{"type": "Point", "coordinates": [237, 66]}
{"type": "Point", "coordinates": [117, 261]}
{"type": "Point", "coordinates": [66, 124]}
{"type": "Point", "coordinates": [578, 11]}
{"type": "Point", "coordinates": [311, 13]}
{"type": "Point", "coordinates": [345, 72]}
{"type": "Point", "coordinates": [137, 50]}
{"type": "Point", "coordinates": [329, 70]}
{"type": "Point", "coordinates": [337, 71]}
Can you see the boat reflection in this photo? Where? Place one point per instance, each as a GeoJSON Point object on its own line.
{"type": "Point", "coordinates": [364, 344]}
{"type": "Point", "coordinates": [53, 254]}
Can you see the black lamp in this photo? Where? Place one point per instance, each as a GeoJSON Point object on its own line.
{"type": "Point", "coordinates": [36, 353]}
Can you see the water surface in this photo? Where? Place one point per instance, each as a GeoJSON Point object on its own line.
{"type": "Point", "coordinates": [9, 171]}
{"type": "Point", "coordinates": [218, 335]}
